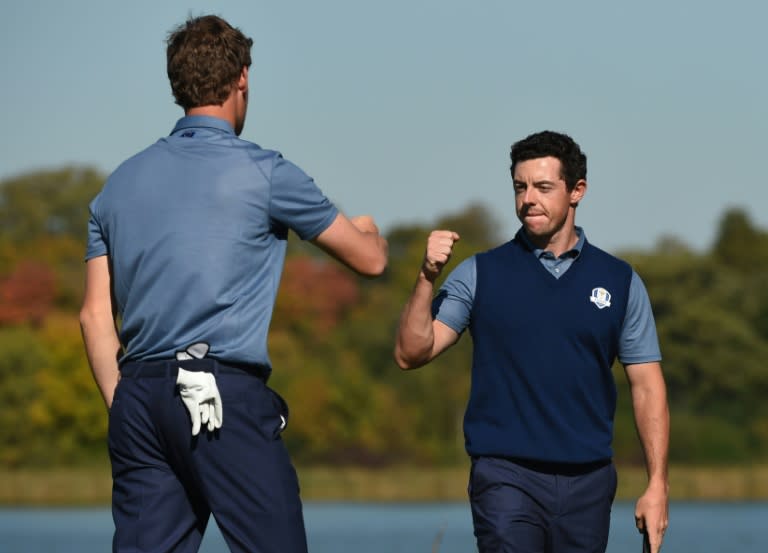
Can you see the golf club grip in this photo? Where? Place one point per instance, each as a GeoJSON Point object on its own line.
{"type": "Point", "coordinates": [646, 543]}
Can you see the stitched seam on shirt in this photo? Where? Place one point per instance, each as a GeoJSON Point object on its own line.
{"type": "Point", "coordinates": [252, 154]}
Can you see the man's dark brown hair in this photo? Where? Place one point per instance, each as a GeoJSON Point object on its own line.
{"type": "Point", "coordinates": [573, 162]}
{"type": "Point", "coordinates": [205, 57]}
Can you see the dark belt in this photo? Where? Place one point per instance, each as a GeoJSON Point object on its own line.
{"type": "Point", "coordinates": [565, 469]}
{"type": "Point", "coordinates": [169, 368]}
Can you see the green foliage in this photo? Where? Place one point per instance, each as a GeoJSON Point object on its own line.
{"type": "Point", "coordinates": [740, 245]}
{"type": "Point", "coordinates": [21, 356]}
{"type": "Point", "coordinates": [333, 334]}
{"type": "Point", "coordinates": [43, 218]}
{"type": "Point", "coordinates": [52, 413]}
{"type": "Point", "coordinates": [476, 225]}
{"type": "Point", "coordinates": [709, 438]}
{"type": "Point", "coordinates": [47, 203]}
{"type": "Point", "coordinates": [68, 410]}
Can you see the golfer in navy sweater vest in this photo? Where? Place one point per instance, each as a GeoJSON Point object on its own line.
{"type": "Point", "coordinates": [548, 314]}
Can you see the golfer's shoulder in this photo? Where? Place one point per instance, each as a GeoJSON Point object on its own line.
{"type": "Point", "coordinates": [511, 247]}
{"type": "Point", "coordinates": [251, 149]}
{"type": "Point", "coordinates": [250, 155]}
{"type": "Point", "coordinates": [599, 255]}
{"type": "Point", "coordinates": [127, 169]}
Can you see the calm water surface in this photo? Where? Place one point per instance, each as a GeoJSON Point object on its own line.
{"type": "Point", "coordinates": [399, 528]}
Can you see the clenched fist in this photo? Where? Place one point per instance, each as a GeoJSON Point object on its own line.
{"type": "Point", "coordinates": [439, 248]}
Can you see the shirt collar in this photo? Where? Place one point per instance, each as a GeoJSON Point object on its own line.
{"type": "Point", "coordinates": [574, 252]}
{"type": "Point", "coordinates": [203, 121]}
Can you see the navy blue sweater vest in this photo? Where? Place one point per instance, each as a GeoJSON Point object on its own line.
{"type": "Point", "coordinates": [542, 386]}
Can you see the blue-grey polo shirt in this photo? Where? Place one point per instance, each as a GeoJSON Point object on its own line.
{"type": "Point", "coordinates": [638, 341]}
{"type": "Point", "coordinates": [195, 227]}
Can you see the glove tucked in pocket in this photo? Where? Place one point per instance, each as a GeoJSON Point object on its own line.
{"type": "Point", "coordinates": [201, 397]}
{"type": "Point", "coordinates": [199, 392]}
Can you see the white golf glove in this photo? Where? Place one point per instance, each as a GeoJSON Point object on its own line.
{"type": "Point", "coordinates": [201, 397]}
{"type": "Point", "coordinates": [199, 392]}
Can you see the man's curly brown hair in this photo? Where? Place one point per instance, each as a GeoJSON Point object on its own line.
{"type": "Point", "coordinates": [573, 162]}
{"type": "Point", "coordinates": [205, 57]}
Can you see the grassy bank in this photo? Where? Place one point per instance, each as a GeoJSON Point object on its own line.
{"type": "Point", "coordinates": [80, 486]}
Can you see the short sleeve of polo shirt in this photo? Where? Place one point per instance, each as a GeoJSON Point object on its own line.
{"type": "Point", "coordinates": [96, 244]}
{"type": "Point", "coordinates": [639, 342]}
{"type": "Point", "coordinates": [452, 305]}
{"type": "Point", "coordinates": [296, 201]}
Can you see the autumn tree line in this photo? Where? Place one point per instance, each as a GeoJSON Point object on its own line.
{"type": "Point", "coordinates": [332, 338]}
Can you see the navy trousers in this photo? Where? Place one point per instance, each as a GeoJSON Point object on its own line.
{"type": "Point", "coordinates": [166, 483]}
{"type": "Point", "coordinates": [522, 507]}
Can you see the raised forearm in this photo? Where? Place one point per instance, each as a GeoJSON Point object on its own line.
{"type": "Point", "coordinates": [356, 243]}
{"type": "Point", "coordinates": [415, 333]}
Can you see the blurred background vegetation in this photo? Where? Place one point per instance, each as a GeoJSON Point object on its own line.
{"type": "Point", "coordinates": [332, 337]}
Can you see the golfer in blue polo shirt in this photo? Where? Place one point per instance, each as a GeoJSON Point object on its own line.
{"type": "Point", "coordinates": [186, 246]}
{"type": "Point", "coordinates": [548, 313]}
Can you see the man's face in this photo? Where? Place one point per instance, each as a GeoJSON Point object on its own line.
{"type": "Point", "coordinates": [542, 202]}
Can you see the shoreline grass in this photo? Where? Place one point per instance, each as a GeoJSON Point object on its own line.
{"type": "Point", "coordinates": [92, 486]}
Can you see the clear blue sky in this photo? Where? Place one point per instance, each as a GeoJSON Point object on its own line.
{"type": "Point", "coordinates": [406, 109]}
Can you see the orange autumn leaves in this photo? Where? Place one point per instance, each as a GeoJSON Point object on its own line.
{"type": "Point", "coordinates": [27, 293]}
{"type": "Point", "coordinates": [316, 293]}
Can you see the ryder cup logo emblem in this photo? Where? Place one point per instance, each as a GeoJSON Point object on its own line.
{"type": "Point", "coordinates": [600, 297]}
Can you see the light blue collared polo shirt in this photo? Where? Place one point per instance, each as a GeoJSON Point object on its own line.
{"type": "Point", "coordinates": [195, 227]}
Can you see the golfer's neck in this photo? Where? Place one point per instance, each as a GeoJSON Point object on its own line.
{"type": "Point", "coordinates": [225, 111]}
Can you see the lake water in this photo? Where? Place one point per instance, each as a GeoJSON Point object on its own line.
{"type": "Point", "coordinates": [399, 528]}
